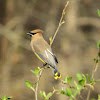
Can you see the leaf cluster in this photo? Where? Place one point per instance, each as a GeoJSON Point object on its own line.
{"type": "Point", "coordinates": [43, 94]}
{"type": "Point", "coordinates": [5, 98]}
{"type": "Point", "coordinates": [80, 84]}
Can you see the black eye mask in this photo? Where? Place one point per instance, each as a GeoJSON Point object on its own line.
{"type": "Point", "coordinates": [30, 33]}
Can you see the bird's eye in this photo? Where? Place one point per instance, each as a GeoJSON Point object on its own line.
{"type": "Point", "coordinates": [33, 33]}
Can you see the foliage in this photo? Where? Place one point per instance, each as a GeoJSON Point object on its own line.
{"type": "Point", "coordinates": [83, 82]}
{"type": "Point", "coordinates": [98, 11]}
{"type": "Point", "coordinates": [43, 94]}
{"type": "Point", "coordinates": [5, 98]}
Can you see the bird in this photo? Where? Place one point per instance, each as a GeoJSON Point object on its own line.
{"type": "Point", "coordinates": [43, 51]}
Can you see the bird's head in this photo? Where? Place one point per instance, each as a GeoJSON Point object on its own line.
{"type": "Point", "coordinates": [35, 32]}
{"type": "Point", "coordinates": [57, 75]}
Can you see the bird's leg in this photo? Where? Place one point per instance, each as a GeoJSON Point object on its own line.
{"type": "Point", "coordinates": [43, 66]}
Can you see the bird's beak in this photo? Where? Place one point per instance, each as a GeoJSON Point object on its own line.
{"type": "Point", "coordinates": [29, 34]}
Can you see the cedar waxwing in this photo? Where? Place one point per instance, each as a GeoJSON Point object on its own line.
{"type": "Point", "coordinates": [43, 51]}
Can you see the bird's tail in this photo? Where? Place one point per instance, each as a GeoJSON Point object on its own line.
{"type": "Point", "coordinates": [56, 73]}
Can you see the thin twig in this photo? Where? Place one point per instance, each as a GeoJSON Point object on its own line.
{"type": "Point", "coordinates": [37, 84]}
{"type": "Point", "coordinates": [93, 73]}
{"type": "Point", "coordinates": [54, 90]}
{"type": "Point", "coordinates": [94, 68]}
{"type": "Point", "coordinates": [81, 97]}
{"type": "Point", "coordinates": [63, 82]}
{"type": "Point", "coordinates": [33, 89]}
{"type": "Point", "coordinates": [60, 23]}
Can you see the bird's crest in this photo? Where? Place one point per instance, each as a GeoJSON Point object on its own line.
{"type": "Point", "coordinates": [37, 31]}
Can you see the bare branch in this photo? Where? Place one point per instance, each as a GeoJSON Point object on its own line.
{"type": "Point", "coordinates": [36, 89]}
{"type": "Point", "coordinates": [60, 23]}
{"type": "Point", "coordinates": [93, 73]}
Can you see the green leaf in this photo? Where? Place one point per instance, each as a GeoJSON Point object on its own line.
{"type": "Point", "coordinates": [92, 80]}
{"type": "Point", "coordinates": [32, 71]}
{"type": "Point", "coordinates": [98, 96]}
{"type": "Point", "coordinates": [69, 91]}
{"type": "Point", "coordinates": [42, 94]}
{"type": "Point", "coordinates": [50, 39]}
{"type": "Point", "coordinates": [98, 44]}
{"type": "Point", "coordinates": [76, 92]}
{"type": "Point", "coordinates": [88, 77]}
{"type": "Point", "coordinates": [81, 79]}
{"type": "Point", "coordinates": [34, 85]}
{"type": "Point", "coordinates": [82, 82]}
{"type": "Point", "coordinates": [35, 72]}
{"type": "Point", "coordinates": [11, 97]}
{"type": "Point", "coordinates": [93, 99]}
{"type": "Point", "coordinates": [65, 79]}
{"type": "Point", "coordinates": [0, 99]}
{"type": "Point", "coordinates": [4, 97]}
{"type": "Point", "coordinates": [77, 86]}
{"type": "Point", "coordinates": [68, 79]}
{"type": "Point", "coordinates": [79, 76]}
{"type": "Point", "coordinates": [48, 95]}
{"type": "Point", "coordinates": [63, 22]}
{"type": "Point", "coordinates": [64, 93]}
{"type": "Point", "coordinates": [98, 11]}
{"type": "Point", "coordinates": [28, 84]}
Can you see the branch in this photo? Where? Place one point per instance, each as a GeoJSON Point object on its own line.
{"type": "Point", "coordinates": [93, 72]}
{"type": "Point", "coordinates": [35, 86]}
{"type": "Point", "coordinates": [62, 82]}
{"type": "Point", "coordinates": [60, 23]}
{"type": "Point", "coordinates": [38, 79]}
{"type": "Point", "coordinates": [40, 73]}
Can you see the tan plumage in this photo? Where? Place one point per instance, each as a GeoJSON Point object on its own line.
{"type": "Point", "coordinates": [43, 51]}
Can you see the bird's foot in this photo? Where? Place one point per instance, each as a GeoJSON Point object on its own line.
{"type": "Point", "coordinates": [44, 66]}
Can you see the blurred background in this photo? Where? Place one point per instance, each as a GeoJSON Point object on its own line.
{"type": "Point", "coordinates": [75, 44]}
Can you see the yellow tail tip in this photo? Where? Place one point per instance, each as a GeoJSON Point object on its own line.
{"type": "Point", "coordinates": [56, 76]}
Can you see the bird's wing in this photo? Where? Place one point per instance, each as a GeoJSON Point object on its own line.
{"type": "Point", "coordinates": [47, 57]}
{"type": "Point", "coordinates": [44, 52]}
{"type": "Point", "coordinates": [55, 58]}
{"type": "Point", "coordinates": [40, 57]}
